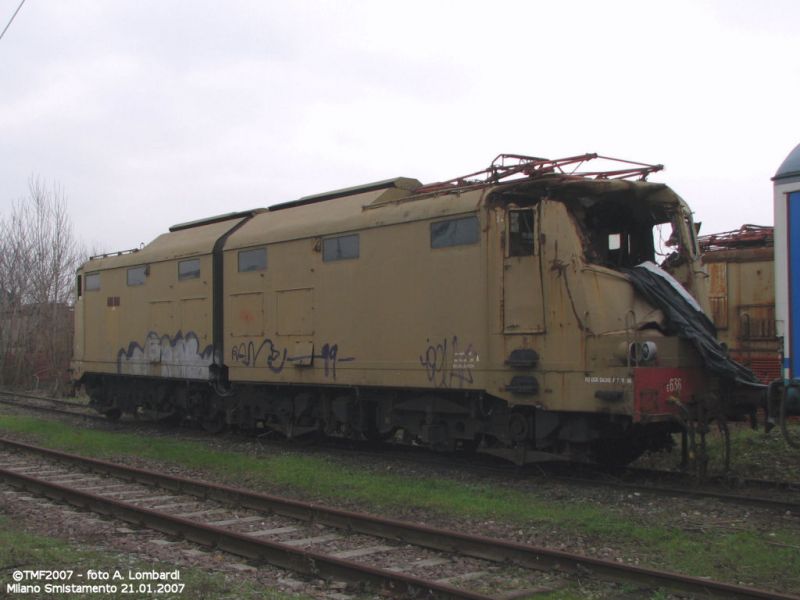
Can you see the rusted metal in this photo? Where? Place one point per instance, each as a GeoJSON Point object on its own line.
{"type": "Point", "coordinates": [741, 295]}
{"type": "Point", "coordinates": [740, 255]}
{"type": "Point", "coordinates": [506, 166]}
{"type": "Point", "coordinates": [747, 236]}
{"type": "Point", "coordinates": [318, 564]}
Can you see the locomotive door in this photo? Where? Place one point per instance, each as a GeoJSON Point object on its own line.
{"type": "Point", "coordinates": [523, 305]}
{"type": "Point", "coordinates": [111, 325]}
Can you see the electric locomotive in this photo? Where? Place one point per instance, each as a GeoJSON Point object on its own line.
{"type": "Point", "coordinates": [518, 311]}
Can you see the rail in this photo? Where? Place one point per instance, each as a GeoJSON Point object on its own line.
{"type": "Point", "coordinates": [320, 564]}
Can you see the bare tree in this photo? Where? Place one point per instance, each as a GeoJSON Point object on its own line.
{"type": "Point", "coordinates": [38, 257]}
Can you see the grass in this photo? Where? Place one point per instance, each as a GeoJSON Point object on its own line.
{"type": "Point", "coordinates": [754, 453]}
{"type": "Point", "coordinates": [22, 550]}
{"type": "Point", "coordinates": [739, 555]}
{"type": "Point", "coordinates": [759, 454]}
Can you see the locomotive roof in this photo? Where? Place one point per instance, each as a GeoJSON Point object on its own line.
{"type": "Point", "coordinates": [336, 212]}
{"type": "Point", "coordinates": [790, 167]}
{"type": "Point", "coordinates": [377, 204]}
{"type": "Point", "coordinates": [350, 213]}
{"type": "Point", "coordinates": [174, 244]}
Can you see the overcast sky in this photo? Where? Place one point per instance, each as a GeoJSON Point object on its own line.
{"type": "Point", "coordinates": [149, 113]}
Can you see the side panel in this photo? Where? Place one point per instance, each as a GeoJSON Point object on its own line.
{"type": "Point", "coordinates": [793, 276]}
{"type": "Point", "coordinates": [161, 327]}
{"type": "Point", "coordinates": [400, 314]}
{"type": "Point", "coordinates": [246, 314]}
{"type": "Point", "coordinates": [162, 316]}
{"type": "Point", "coordinates": [295, 311]}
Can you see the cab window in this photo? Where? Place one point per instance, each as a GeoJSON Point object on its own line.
{"type": "Point", "coordinates": [520, 232]}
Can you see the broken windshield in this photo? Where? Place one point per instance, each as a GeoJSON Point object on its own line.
{"type": "Point", "coordinates": [622, 229]}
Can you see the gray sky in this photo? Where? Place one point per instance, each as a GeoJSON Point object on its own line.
{"type": "Point", "coordinates": [149, 113]}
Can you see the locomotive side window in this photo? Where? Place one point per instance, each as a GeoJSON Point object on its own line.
{"type": "Point", "coordinates": [520, 232]}
{"type": "Point", "coordinates": [137, 275]}
{"type": "Point", "coordinates": [189, 269]}
{"type": "Point", "coordinates": [92, 282]}
{"type": "Point", "coordinates": [455, 232]}
{"type": "Point", "coordinates": [253, 260]}
{"type": "Point", "coordinates": [340, 248]}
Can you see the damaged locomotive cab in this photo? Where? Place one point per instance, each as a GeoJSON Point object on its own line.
{"type": "Point", "coordinates": [623, 228]}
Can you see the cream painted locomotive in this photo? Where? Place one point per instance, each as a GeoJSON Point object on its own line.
{"type": "Point", "coordinates": [502, 312]}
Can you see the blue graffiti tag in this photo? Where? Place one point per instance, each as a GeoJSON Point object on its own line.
{"type": "Point", "coordinates": [447, 366]}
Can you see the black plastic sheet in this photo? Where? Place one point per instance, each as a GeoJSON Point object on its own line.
{"type": "Point", "coordinates": [686, 319]}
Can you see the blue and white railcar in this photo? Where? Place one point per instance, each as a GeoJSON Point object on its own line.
{"type": "Point", "coordinates": [787, 260]}
{"type": "Point", "coordinates": [787, 279]}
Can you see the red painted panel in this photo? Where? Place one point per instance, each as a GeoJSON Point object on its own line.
{"type": "Point", "coordinates": [657, 389]}
{"type": "Point", "coordinates": [766, 366]}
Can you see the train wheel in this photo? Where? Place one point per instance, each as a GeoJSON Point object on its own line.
{"type": "Point", "coordinates": [518, 427]}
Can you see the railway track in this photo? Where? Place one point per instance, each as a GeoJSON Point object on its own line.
{"type": "Point", "coordinates": [48, 399]}
{"type": "Point", "coordinates": [731, 481]}
{"type": "Point", "coordinates": [784, 495]}
{"type": "Point", "coordinates": [53, 405]}
{"type": "Point", "coordinates": [387, 554]}
{"type": "Point", "coordinates": [788, 502]}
